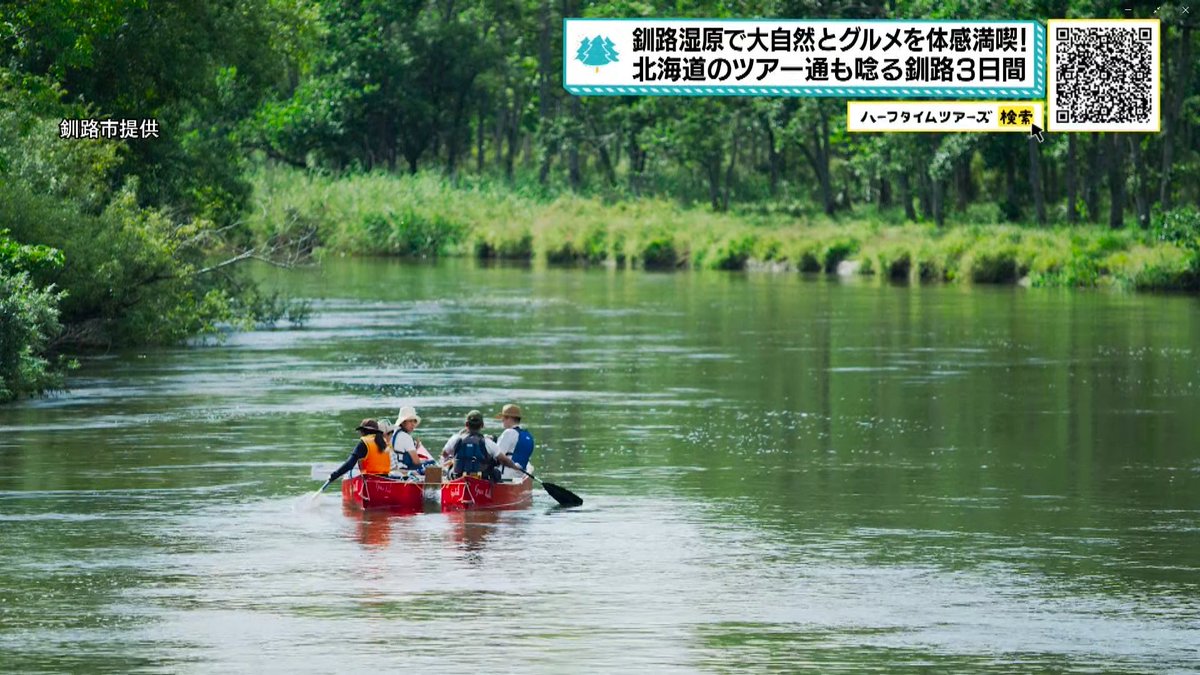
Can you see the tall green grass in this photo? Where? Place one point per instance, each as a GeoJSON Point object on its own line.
{"type": "Point", "coordinates": [428, 215]}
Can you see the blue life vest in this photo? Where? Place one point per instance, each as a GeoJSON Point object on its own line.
{"type": "Point", "coordinates": [404, 458]}
{"type": "Point", "coordinates": [524, 449]}
{"type": "Point", "coordinates": [470, 453]}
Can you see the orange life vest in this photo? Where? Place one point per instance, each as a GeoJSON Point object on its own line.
{"type": "Point", "coordinates": [378, 459]}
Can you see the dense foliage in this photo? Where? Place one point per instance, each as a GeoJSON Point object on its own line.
{"type": "Point", "coordinates": [470, 90]}
{"type": "Point", "coordinates": [28, 318]}
{"type": "Point", "coordinates": [474, 85]}
{"type": "Point", "coordinates": [145, 230]}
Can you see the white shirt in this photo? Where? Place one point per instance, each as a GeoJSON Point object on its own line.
{"type": "Point", "coordinates": [507, 442]}
{"type": "Point", "coordinates": [402, 442]}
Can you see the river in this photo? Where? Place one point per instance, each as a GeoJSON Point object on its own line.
{"type": "Point", "coordinates": [778, 473]}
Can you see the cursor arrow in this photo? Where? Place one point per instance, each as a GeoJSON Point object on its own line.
{"type": "Point", "coordinates": [1036, 132]}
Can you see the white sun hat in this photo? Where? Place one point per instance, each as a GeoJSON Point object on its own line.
{"type": "Point", "coordinates": [407, 413]}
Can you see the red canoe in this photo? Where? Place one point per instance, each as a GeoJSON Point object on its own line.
{"type": "Point", "coordinates": [476, 493]}
{"type": "Point", "coordinates": [371, 492]}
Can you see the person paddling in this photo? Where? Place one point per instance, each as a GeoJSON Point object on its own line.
{"type": "Point", "coordinates": [515, 441]}
{"type": "Point", "coordinates": [407, 452]}
{"type": "Point", "coordinates": [371, 453]}
{"type": "Point", "coordinates": [473, 452]}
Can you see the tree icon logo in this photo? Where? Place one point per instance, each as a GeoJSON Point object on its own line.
{"type": "Point", "coordinates": [597, 51]}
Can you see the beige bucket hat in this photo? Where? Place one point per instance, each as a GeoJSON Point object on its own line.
{"type": "Point", "coordinates": [510, 410]}
{"type": "Point", "coordinates": [407, 413]}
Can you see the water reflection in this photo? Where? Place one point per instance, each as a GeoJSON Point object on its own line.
{"type": "Point", "coordinates": [779, 475]}
{"type": "Point", "coordinates": [470, 530]}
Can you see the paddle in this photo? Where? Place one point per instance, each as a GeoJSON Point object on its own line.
{"type": "Point", "coordinates": [317, 494]}
{"type": "Point", "coordinates": [559, 493]}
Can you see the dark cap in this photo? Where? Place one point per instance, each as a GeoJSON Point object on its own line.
{"type": "Point", "coordinates": [370, 426]}
{"type": "Point", "coordinates": [474, 419]}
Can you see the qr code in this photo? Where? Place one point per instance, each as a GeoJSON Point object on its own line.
{"type": "Point", "coordinates": [1103, 75]}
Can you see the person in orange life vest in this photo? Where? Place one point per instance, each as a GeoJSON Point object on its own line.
{"type": "Point", "coordinates": [471, 451]}
{"type": "Point", "coordinates": [371, 453]}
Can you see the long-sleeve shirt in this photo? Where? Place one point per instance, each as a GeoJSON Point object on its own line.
{"type": "Point", "coordinates": [360, 451]}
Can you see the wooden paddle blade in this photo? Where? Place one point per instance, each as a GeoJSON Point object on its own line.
{"type": "Point", "coordinates": [562, 495]}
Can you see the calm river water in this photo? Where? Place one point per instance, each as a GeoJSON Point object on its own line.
{"type": "Point", "coordinates": [779, 473]}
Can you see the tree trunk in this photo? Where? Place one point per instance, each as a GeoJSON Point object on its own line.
{"type": "Point", "coordinates": [823, 158]}
{"type": "Point", "coordinates": [729, 169]}
{"type": "Point", "coordinates": [479, 148]}
{"type": "Point", "coordinates": [458, 124]}
{"type": "Point", "coordinates": [818, 157]}
{"type": "Point", "coordinates": [939, 213]}
{"type": "Point", "coordinates": [526, 149]}
{"type": "Point", "coordinates": [925, 195]}
{"type": "Point", "coordinates": [1035, 179]}
{"type": "Point", "coordinates": [1116, 183]}
{"type": "Point", "coordinates": [637, 163]}
{"type": "Point", "coordinates": [906, 196]}
{"type": "Point", "coordinates": [713, 170]}
{"type": "Point", "coordinates": [962, 180]}
{"type": "Point", "coordinates": [885, 186]}
{"type": "Point", "coordinates": [1096, 159]}
{"type": "Point", "coordinates": [606, 163]}
{"type": "Point", "coordinates": [510, 155]}
{"type": "Point", "coordinates": [772, 156]}
{"type": "Point", "coordinates": [574, 175]}
{"type": "Point", "coordinates": [1141, 202]}
{"type": "Point", "coordinates": [547, 161]}
{"type": "Point", "coordinates": [1172, 102]}
{"type": "Point", "coordinates": [826, 186]}
{"type": "Point", "coordinates": [544, 59]}
{"type": "Point", "coordinates": [1010, 180]}
{"type": "Point", "coordinates": [1072, 195]}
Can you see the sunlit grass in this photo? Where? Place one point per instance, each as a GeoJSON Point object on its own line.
{"type": "Point", "coordinates": [429, 215]}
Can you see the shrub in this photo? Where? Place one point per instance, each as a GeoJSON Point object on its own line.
{"type": "Point", "coordinates": [28, 320]}
{"type": "Point", "coordinates": [1008, 211]}
{"type": "Point", "coordinates": [808, 258]}
{"type": "Point", "coordinates": [991, 265]}
{"type": "Point", "coordinates": [1156, 269]}
{"type": "Point", "coordinates": [519, 247]}
{"type": "Point", "coordinates": [732, 253]}
{"type": "Point", "coordinates": [837, 250]}
{"type": "Point", "coordinates": [658, 252]}
{"type": "Point", "coordinates": [1179, 226]}
{"type": "Point", "coordinates": [594, 247]}
{"type": "Point", "coordinates": [891, 261]}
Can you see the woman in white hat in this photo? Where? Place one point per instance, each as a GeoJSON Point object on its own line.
{"type": "Point", "coordinates": [407, 452]}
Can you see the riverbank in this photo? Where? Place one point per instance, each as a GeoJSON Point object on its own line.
{"type": "Point", "coordinates": [426, 215]}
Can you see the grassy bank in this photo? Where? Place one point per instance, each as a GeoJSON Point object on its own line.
{"type": "Point", "coordinates": [426, 215]}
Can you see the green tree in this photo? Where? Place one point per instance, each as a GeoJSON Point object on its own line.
{"type": "Point", "coordinates": [28, 320]}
